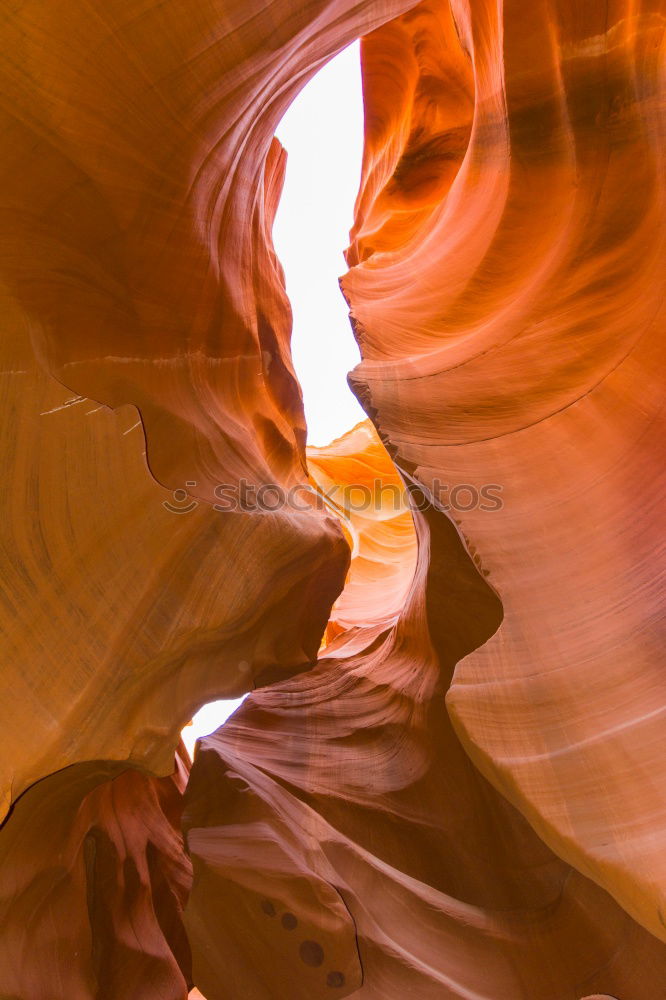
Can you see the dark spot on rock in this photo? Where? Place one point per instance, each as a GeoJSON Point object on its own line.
{"type": "Point", "coordinates": [289, 921]}
{"type": "Point", "coordinates": [267, 907]}
{"type": "Point", "coordinates": [335, 979]}
{"type": "Point", "coordinates": [311, 954]}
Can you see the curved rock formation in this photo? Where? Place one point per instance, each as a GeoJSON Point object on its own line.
{"type": "Point", "coordinates": [93, 881]}
{"type": "Point", "coordinates": [357, 767]}
{"type": "Point", "coordinates": [119, 618]}
{"type": "Point", "coordinates": [517, 339]}
{"type": "Point", "coordinates": [110, 638]}
{"type": "Point", "coordinates": [139, 270]}
{"type": "Point", "coordinates": [462, 795]}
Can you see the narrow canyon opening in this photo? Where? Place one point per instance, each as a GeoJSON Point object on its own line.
{"type": "Point", "coordinates": [322, 132]}
{"type": "Point", "coordinates": [209, 718]}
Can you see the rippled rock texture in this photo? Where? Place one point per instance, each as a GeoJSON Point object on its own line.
{"type": "Point", "coordinates": [519, 340]}
{"type": "Point", "coordinates": [460, 791]}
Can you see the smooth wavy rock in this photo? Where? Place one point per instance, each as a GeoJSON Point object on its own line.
{"type": "Point", "coordinates": [139, 191]}
{"type": "Point", "coordinates": [512, 331]}
{"type": "Point", "coordinates": [139, 181]}
{"type": "Point", "coordinates": [146, 380]}
{"type": "Point", "coordinates": [119, 615]}
{"type": "Point", "coordinates": [352, 775]}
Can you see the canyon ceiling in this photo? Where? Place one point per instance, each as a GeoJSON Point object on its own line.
{"type": "Point", "coordinates": [448, 780]}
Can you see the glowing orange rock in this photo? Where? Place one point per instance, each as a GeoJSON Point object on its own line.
{"type": "Point", "coordinates": [138, 270]}
{"type": "Point", "coordinates": [509, 333]}
{"type": "Point", "coordinates": [139, 181]}
{"type": "Point", "coordinates": [362, 486]}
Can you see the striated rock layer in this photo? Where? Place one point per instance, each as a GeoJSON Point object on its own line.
{"type": "Point", "coordinates": [462, 795]}
{"type": "Point", "coordinates": [139, 181]}
{"type": "Point", "coordinates": [508, 303]}
{"type": "Point", "coordinates": [518, 339]}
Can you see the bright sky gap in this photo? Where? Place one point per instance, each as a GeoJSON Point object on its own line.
{"type": "Point", "coordinates": [322, 132]}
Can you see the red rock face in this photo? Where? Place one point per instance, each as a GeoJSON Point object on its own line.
{"type": "Point", "coordinates": [462, 795]}
{"type": "Point", "coordinates": [92, 888]}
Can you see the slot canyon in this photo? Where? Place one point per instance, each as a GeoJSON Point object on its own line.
{"type": "Point", "coordinates": [446, 779]}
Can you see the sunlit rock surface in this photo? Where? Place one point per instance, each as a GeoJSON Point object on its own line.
{"type": "Point", "coordinates": [462, 794]}
{"type": "Point", "coordinates": [360, 484]}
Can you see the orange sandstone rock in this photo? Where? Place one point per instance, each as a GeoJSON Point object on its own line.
{"type": "Point", "coordinates": [463, 796]}
{"type": "Point", "coordinates": [353, 774]}
{"type": "Point", "coordinates": [139, 181]}
{"type": "Point", "coordinates": [516, 338]}
{"type": "Point", "coordinates": [120, 616]}
{"type": "Point", "coordinates": [360, 484]}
